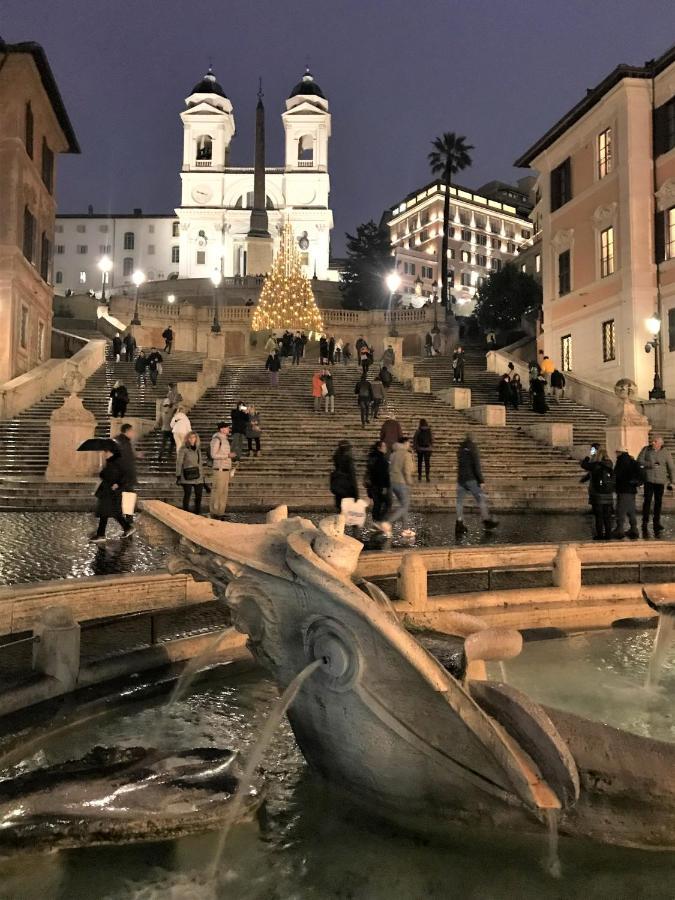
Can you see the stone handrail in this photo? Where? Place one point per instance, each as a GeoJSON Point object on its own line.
{"type": "Point", "coordinates": [107, 324]}
{"type": "Point", "coordinates": [28, 389]}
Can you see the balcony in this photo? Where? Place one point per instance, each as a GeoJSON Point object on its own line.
{"type": "Point", "coordinates": [305, 163]}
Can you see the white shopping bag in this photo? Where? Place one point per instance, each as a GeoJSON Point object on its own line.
{"type": "Point", "coordinates": [354, 511]}
{"type": "Point", "coordinates": [128, 503]}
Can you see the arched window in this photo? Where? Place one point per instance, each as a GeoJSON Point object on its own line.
{"type": "Point", "coordinates": [204, 147]}
{"type": "Point", "coordinates": [306, 149]}
{"type": "Point", "coordinates": [127, 266]}
{"type": "Point", "coordinates": [129, 240]}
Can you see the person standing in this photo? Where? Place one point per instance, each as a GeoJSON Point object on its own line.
{"type": "Point", "coordinates": [364, 395]}
{"type": "Point", "coordinates": [385, 377]}
{"type": "Point", "coordinates": [317, 390]}
{"type": "Point", "coordinates": [141, 368]}
{"type": "Point", "coordinates": [273, 365]}
{"type": "Point", "coordinates": [401, 474]}
{"type": "Point", "coordinates": [119, 400]}
{"type": "Point", "coordinates": [222, 456]}
{"type": "Point", "coordinates": [331, 350]}
{"type": "Point", "coordinates": [428, 344]}
{"type": "Point", "coordinates": [129, 346]}
{"type": "Point", "coordinates": [109, 497]}
{"type": "Point", "coordinates": [298, 348]}
{"type": "Point", "coordinates": [253, 430]}
{"type": "Point", "coordinates": [378, 483]}
{"type": "Point", "coordinates": [117, 347]}
{"type": "Point", "coordinates": [546, 369]}
{"type": "Point", "coordinates": [239, 417]}
{"type": "Point", "coordinates": [470, 481]}
{"type": "Point", "coordinates": [338, 350]}
{"type": "Point", "coordinates": [328, 393]}
{"type": "Point", "coordinates": [458, 366]}
{"type": "Point", "coordinates": [125, 441]}
{"type": "Point", "coordinates": [166, 415]}
{"type": "Point", "coordinates": [423, 442]}
{"type": "Point", "coordinates": [504, 390]}
{"type": "Point", "coordinates": [271, 344]}
{"type": "Point", "coordinates": [343, 482]}
{"type": "Point", "coordinates": [180, 427]}
{"type": "Point", "coordinates": [657, 466]}
{"type": "Point", "coordinates": [391, 433]}
{"type": "Point", "coordinates": [167, 334]}
{"type": "Point", "coordinates": [601, 470]}
{"type": "Point", "coordinates": [378, 395]}
{"type": "Point", "coordinates": [190, 471]}
{"type": "Point", "coordinates": [155, 361]}
{"type": "Point", "coordinates": [627, 478]}
{"type": "Point", "coordinates": [538, 389]}
{"type": "Point", "coordinates": [516, 390]}
{"type": "Point", "coordinates": [557, 385]}
{"type": "Point", "coordinates": [323, 350]}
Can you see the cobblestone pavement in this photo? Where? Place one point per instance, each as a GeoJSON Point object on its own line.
{"type": "Point", "coordinates": [39, 546]}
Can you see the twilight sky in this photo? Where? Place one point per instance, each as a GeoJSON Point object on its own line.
{"type": "Point", "coordinates": [396, 74]}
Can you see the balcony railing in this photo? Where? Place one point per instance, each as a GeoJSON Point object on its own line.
{"type": "Point", "coordinates": [203, 163]}
{"type": "Point", "coordinates": [305, 163]}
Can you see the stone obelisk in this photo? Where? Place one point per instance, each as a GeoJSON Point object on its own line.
{"type": "Point", "coordinates": [259, 241]}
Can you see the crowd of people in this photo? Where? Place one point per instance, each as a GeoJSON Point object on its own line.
{"type": "Point", "coordinates": [546, 383]}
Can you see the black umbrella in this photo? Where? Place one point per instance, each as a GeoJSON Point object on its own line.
{"type": "Point", "coordinates": [99, 444]}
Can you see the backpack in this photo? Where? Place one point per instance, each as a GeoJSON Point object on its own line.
{"type": "Point", "coordinates": [603, 480]}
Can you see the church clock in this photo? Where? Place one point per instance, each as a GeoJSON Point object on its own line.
{"type": "Point", "coordinates": [201, 194]}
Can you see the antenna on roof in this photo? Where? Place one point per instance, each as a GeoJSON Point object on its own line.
{"type": "Point", "coordinates": [260, 90]}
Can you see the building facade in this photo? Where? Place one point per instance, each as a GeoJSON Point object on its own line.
{"type": "Point", "coordinates": [34, 128]}
{"type": "Point", "coordinates": [210, 228]}
{"type": "Point", "coordinates": [484, 235]}
{"type": "Point", "coordinates": [606, 212]}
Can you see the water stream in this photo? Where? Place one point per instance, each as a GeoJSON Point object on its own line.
{"type": "Point", "coordinates": [665, 633]}
{"type": "Point", "coordinates": [552, 864]}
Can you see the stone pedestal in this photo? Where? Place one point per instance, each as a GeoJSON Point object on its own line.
{"type": "Point", "coordinates": [421, 385]}
{"type": "Point", "coordinates": [489, 414]}
{"type": "Point", "coordinates": [412, 580]}
{"type": "Point", "coordinates": [628, 429]}
{"type": "Point", "coordinates": [396, 343]}
{"type": "Point", "coordinates": [56, 653]}
{"type": "Point", "coordinates": [215, 346]}
{"type": "Point", "coordinates": [69, 425]}
{"type": "Point", "coordinates": [458, 398]}
{"type": "Point", "coordinates": [259, 254]}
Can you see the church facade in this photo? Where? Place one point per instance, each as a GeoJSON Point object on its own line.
{"type": "Point", "coordinates": [211, 229]}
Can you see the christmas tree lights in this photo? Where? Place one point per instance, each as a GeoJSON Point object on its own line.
{"type": "Point", "coordinates": [286, 299]}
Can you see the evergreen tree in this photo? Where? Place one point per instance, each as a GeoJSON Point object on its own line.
{"type": "Point", "coordinates": [286, 299]}
{"type": "Point", "coordinates": [369, 261]}
{"type": "Point", "coordinates": [504, 297]}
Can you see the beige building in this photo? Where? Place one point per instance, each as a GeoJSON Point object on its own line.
{"type": "Point", "coordinates": [605, 211]}
{"type": "Point", "coordinates": [34, 127]}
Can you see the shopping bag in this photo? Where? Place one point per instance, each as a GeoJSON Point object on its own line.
{"type": "Point", "coordinates": [354, 511]}
{"type": "Point", "coordinates": [128, 503]}
{"type": "Point", "coordinates": [110, 407]}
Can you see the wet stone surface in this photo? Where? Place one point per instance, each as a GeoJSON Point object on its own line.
{"type": "Point", "coordinates": [38, 546]}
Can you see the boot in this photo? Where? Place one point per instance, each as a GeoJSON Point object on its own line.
{"type": "Point", "coordinates": [489, 524]}
{"type": "Point", "coordinates": [460, 528]}
{"type": "Point", "coordinates": [633, 534]}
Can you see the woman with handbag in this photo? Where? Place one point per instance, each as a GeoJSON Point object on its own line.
{"type": "Point", "coordinates": [190, 471]}
{"type": "Point", "coordinates": [253, 430]}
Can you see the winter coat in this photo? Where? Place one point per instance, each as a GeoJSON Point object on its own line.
{"type": "Point", "coordinates": [377, 471]}
{"type": "Point", "coordinates": [166, 415]}
{"type": "Point", "coordinates": [364, 391]}
{"type": "Point", "coordinates": [128, 462]}
{"type": "Point", "coordinates": [627, 474]}
{"type": "Point", "coordinates": [378, 391]}
{"type": "Point", "coordinates": [141, 364]}
{"type": "Point", "coordinates": [190, 458]}
{"type": "Point", "coordinates": [316, 385]}
{"type": "Point", "coordinates": [328, 381]}
{"type": "Point", "coordinates": [117, 345]}
{"type": "Point", "coordinates": [343, 481]}
{"type": "Point", "coordinates": [657, 465]}
{"type": "Point", "coordinates": [385, 376]}
{"type": "Point", "coordinates": [119, 397]}
{"type": "Point", "coordinates": [239, 421]}
{"type": "Point", "coordinates": [601, 488]}
{"type": "Point", "coordinates": [271, 344]}
{"type": "Point", "coordinates": [504, 390]}
{"type": "Point", "coordinates": [468, 464]}
{"type": "Point", "coordinates": [557, 379]}
{"type": "Point", "coordinates": [539, 404]}
{"type": "Point", "coordinates": [167, 334]}
{"type": "Point", "coordinates": [219, 450]}
{"type": "Point", "coordinates": [401, 468]}
{"type": "Point", "coordinates": [253, 426]}
{"type": "Point", "coordinates": [388, 357]}
{"type": "Point", "coordinates": [547, 366]}
{"type": "Point", "coordinates": [273, 362]}
{"type": "Point", "coordinates": [154, 361]}
{"type": "Point", "coordinates": [423, 439]}
{"type": "Point", "coordinates": [323, 348]}
{"type": "Point", "coordinates": [391, 432]}
{"type": "Point", "coordinates": [109, 498]}
{"type": "Point", "coordinates": [180, 424]}
{"type": "Point", "coordinates": [130, 343]}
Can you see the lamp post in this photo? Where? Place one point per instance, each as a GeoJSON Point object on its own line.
{"type": "Point", "coordinates": [434, 288]}
{"type": "Point", "coordinates": [393, 282]}
{"type": "Point", "coordinates": [171, 298]}
{"type": "Point", "coordinates": [654, 328]}
{"type": "Point", "coordinates": [216, 278]}
{"type": "Point", "coordinates": [138, 278]}
{"type": "Point", "coordinates": [105, 265]}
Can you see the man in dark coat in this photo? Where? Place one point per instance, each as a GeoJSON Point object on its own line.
{"type": "Point", "coordinates": [298, 348]}
{"type": "Point", "coordinates": [627, 478]}
{"type": "Point", "coordinates": [167, 334]}
{"type": "Point", "coordinates": [129, 346]}
{"type": "Point", "coordinates": [273, 365]}
{"type": "Point", "coordinates": [141, 367]}
{"type": "Point", "coordinates": [240, 419]}
{"type": "Point", "coordinates": [117, 347]}
{"type": "Point", "coordinates": [343, 481]}
{"type": "Point", "coordinates": [109, 497]}
{"type": "Point", "coordinates": [127, 460]}
{"type": "Point", "coordinates": [364, 395]}
{"type": "Point", "coordinates": [154, 362]}
{"type": "Point", "coordinates": [470, 481]}
{"type": "Point", "coordinates": [323, 350]}
{"type": "Point", "coordinates": [385, 377]}
{"type": "Point", "coordinates": [378, 484]}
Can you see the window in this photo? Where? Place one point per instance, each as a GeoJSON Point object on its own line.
{"type": "Point", "coordinates": [451, 253]}
{"type": "Point", "coordinates": [59, 277]}
{"type": "Point", "coordinates": [28, 235]}
{"type": "Point", "coordinates": [59, 229]}
{"type": "Point", "coordinates": [306, 148]}
{"type": "Point", "coordinates": [664, 127]}
{"type": "Point", "coordinates": [537, 263]}
{"type": "Point", "coordinates": [41, 341]}
{"type": "Point", "coordinates": [175, 253]}
{"type": "Point", "coordinates": [465, 216]}
{"type": "Point", "coordinates": [424, 236]}
{"type": "Point", "coordinates": [466, 234]}
{"type": "Point", "coordinates": [424, 218]}
{"type": "Point", "coordinates": [495, 226]}
{"type": "Point", "coordinates": [129, 240]}
{"type": "Point", "coordinates": [608, 341]}
{"type": "Point", "coordinates": [525, 233]}
{"type": "Point", "coordinates": [566, 352]}
{"type": "Point", "coordinates": [30, 127]}
{"type": "Point", "coordinates": [151, 249]}
{"type": "Point", "coordinates": [45, 256]}
{"type": "Point", "coordinates": [670, 232]}
{"type": "Point", "coordinates": [509, 231]}
{"type": "Point", "coordinates": [451, 277]}
{"type": "Point", "coordinates": [427, 272]}
{"type": "Point", "coordinates": [466, 279]}
{"type": "Point", "coordinates": [103, 229]}
{"type": "Point", "coordinates": [60, 248]}
{"type": "Point", "coordinates": [104, 248]}
{"type": "Point", "coordinates": [604, 152]}
{"type": "Point", "coordinates": [480, 221]}
{"type": "Point", "coordinates": [495, 243]}
{"type": "Point", "coordinates": [561, 184]}
{"type": "Point", "coordinates": [175, 229]}
{"type": "Point", "coordinates": [127, 266]}
{"type": "Point", "coordinates": [496, 265]}
{"type": "Point", "coordinates": [81, 229]}
{"type": "Point", "coordinates": [451, 232]}
{"type": "Point", "coordinates": [47, 166]}
{"type": "Point", "coordinates": [606, 252]}
{"type": "Point", "coordinates": [412, 224]}
{"type": "Point", "coordinates": [204, 150]}
{"type": "Point", "coordinates": [466, 256]}
{"type": "Point", "coordinates": [23, 328]}
{"type": "Point", "coordinates": [413, 269]}
{"type": "Point", "coordinates": [151, 229]}
{"type": "Point", "coordinates": [83, 277]}
{"type": "Point", "coordinates": [481, 260]}
{"type": "Point", "coordinates": [82, 249]}
{"type": "Point", "coordinates": [564, 273]}
{"type": "Point", "coordinates": [201, 257]}
{"type": "Point", "coordinates": [510, 247]}
{"type": "Point", "coordinates": [482, 240]}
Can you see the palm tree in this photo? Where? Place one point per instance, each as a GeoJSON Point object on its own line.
{"type": "Point", "coordinates": [449, 156]}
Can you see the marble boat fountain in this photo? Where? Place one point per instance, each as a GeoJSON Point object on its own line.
{"type": "Point", "coordinates": [418, 743]}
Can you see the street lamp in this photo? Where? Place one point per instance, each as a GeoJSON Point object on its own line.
{"type": "Point", "coordinates": [434, 288]}
{"type": "Point", "coordinates": [393, 282]}
{"type": "Point", "coordinates": [216, 278]}
{"type": "Point", "coordinates": [654, 328]}
{"type": "Point", "coordinates": [171, 298]}
{"type": "Point", "coordinates": [138, 278]}
{"type": "Point", "coordinates": [105, 265]}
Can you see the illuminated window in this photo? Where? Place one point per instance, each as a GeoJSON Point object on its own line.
{"type": "Point", "coordinates": [466, 256]}
{"type": "Point", "coordinates": [83, 277]}
{"type": "Point", "coordinates": [564, 273]}
{"type": "Point", "coordinates": [670, 232]}
{"type": "Point", "coordinates": [510, 247]}
{"type": "Point", "coordinates": [204, 151]}
{"type": "Point", "coordinates": [41, 341]}
{"type": "Point", "coordinates": [495, 243]}
{"type": "Point", "coordinates": [566, 352]}
{"type": "Point", "coordinates": [606, 252]}
{"type": "Point", "coordinates": [537, 263]}
{"type": "Point", "coordinates": [604, 152]}
{"type": "Point", "coordinates": [608, 341]}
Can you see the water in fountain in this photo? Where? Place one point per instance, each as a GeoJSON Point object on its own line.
{"type": "Point", "coordinates": [276, 715]}
{"type": "Point", "coordinates": [502, 672]}
{"type": "Point", "coordinates": [665, 633]}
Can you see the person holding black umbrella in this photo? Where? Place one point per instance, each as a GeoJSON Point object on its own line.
{"type": "Point", "coordinates": [109, 495]}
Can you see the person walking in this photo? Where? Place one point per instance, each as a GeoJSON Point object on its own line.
{"type": "Point", "coordinates": [154, 361]}
{"type": "Point", "coordinates": [378, 395]}
{"type": "Point", "coordinates": [141, 368]}
{"type": "Point", "coordinates": [222, 456]}
{"type": "Point", "coordinates": [129, 346]}
{"type": "Point", "coordinates": [389, 357]}
{"type": "Point", "coordinates": [627, 479]}
{"type": "Point", "coordinates": [273, 365]}
{"type": "Point", "coordinates": [423, 442]}
{"type": "Point", "coordinates": [323, 350]}
{"type": "Point", "coordinates": [538, 388]}
{"type": "Point", "coordinates": [109, 497]}
{"type": "Point", "coordinates": [346, 353]}
{"type": "Point", "coordinates": [331, 350]}
{"type": "Point", "coordinates": [125, 441]}
{"type": "Point", "coordinates": [378, 484]}
{"type": "Point", "coordinates": [470, 481]}
{"type": "Point", "coordinates": [546, 368]}
{"type": "Point", "coordinates": [180, 427]}
{"type": "Point", "coordinates": [343, 482]}
{"type": "Point", "coordinates": [329, 392]}
{"type": "Point", "coordinates": [117, 347]}
{"type": "Point", "coordinates": [385, 377]}
{"type": "Point", "coordinates": [557, 385]}
{"type": "Point", "coordinates": [239, 417]}
{"type": "Point", "coordinates": [657, 467]}
{"type": "Point", "coordinates": [364, 395]}
{"type": "Point", "coordinates": [317, 390]}
{"type": "Point", "coordinates": [601, 470]}
{"type": "Point", "coordinates": [119, 400]}
{"type": "Point", "coordinates": [298, 348]}
{"type": "Point", "coordinates": [190, 471]}
{"type": "Point", "coordinates": [391, 433]}
{"type": "Point", "coordinates": [516, 390]}
{"type": "Point", "coordinates": [365, 358]}
{"type": "Point", "coordinates": [253, 430]}
{"type": "Point", "coordinates": [167, 334]}
{"type": "Point", "coordinates": [458, 366]}
{"type": "Point", "coordinates": [401, 474]}
{"type": "Point", "coordinates": [271, 344]}
{"type": "Point", "coordinates": [166, 415]}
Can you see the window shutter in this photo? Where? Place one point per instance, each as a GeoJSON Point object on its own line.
{"type": "Point", "coordinates": [659, 237]}
{"type": "Point", "coordinates": [659, 130]}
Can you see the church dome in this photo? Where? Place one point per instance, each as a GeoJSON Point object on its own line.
{"type": "Point", "coordinates": [307, 87]}
{"type": "Point", "coordinates": [209, 85]}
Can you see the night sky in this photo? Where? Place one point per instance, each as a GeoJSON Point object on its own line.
{"type": "Point", "coordinates": [396, 74]}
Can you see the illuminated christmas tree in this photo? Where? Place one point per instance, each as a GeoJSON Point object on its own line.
{"type": "Point", "coordinates": [286, 299]}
